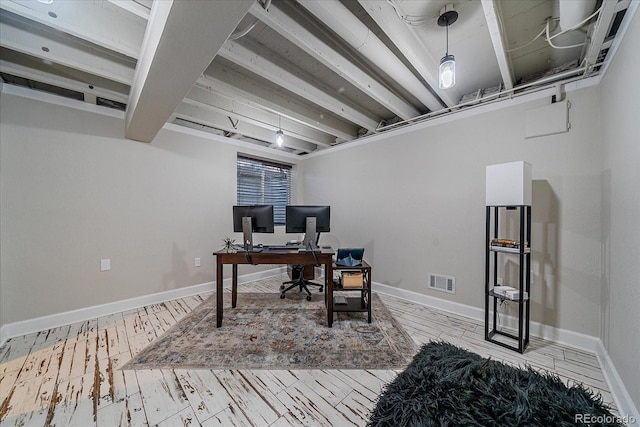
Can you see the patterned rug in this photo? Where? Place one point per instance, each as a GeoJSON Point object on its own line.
{"type": "Point", "coordinates": [266, 332]}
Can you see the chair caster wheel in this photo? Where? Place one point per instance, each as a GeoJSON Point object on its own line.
{"type": "Point", "coordinates": [282, 287]}
{"type": "Point", "coordinates": [281, 296]}
{"type": "Point", "coordinates": [320, 289]}
{"type": "Point", "coordinates": [308, 297]}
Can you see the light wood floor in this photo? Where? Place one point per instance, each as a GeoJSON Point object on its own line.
{"type": "Point", "coordinates": [69, 376]}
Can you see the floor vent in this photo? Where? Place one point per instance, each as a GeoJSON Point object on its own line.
{"type": "Point", "coordinates": [442, 283]}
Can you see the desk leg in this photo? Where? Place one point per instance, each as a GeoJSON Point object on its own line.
{"type": "Point", "coordinates": [328, 286]}
{"type": "Point", "coordinates": [219, 296]}
{"type": "Point", "coordinates": [370, 297]}
{"type": "Point", "coordinates": [234, 286]}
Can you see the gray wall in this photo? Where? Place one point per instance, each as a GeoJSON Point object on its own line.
{"type": "Point", "coordinates": [417, 204]}
{"type": "Point", "coordinates": [74, 191]}
{"type": "Point", "coordinates": [620, 115]}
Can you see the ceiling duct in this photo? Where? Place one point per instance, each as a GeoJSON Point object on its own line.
{"type": "Point", "coordinates": [573, 12]}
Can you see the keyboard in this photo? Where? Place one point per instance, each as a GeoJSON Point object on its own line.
{"type": "Point", "coordinates": [291, 247]}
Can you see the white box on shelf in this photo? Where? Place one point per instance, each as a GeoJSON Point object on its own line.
{"type": "Point", "coordinates": [509, 184]}
{"type": "Point", "coordinates": [502, 290]}
{"type": "Point", "coordinates": [515, 295]}
{"type": "Point", "coordinates": [510, 292]}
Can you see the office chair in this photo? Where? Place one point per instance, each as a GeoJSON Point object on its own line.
{"type": "Point", "coordinates": [298, 280]}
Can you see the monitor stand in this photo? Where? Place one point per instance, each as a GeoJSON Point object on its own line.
{"type": "Point", "coordinates": [247, 234]}
{"type": "Point", "coordinates": [310, 239]}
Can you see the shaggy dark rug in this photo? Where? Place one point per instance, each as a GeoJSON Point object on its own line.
{"type": "Point", "coordinates": [447, 386]}
{"type": "Point", "coordinates": [266, 332]}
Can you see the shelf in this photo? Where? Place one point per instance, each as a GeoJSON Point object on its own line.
{"type": "Point", "coordinates": [360, 301]}
{"type": "Point", "coordinates": [353, 304]}
{"type": "Point", "coordinates": [496, 265]}
{"type": "Point", "coordinates": [508, 250]}
{"type": "Point", "coordinates": [337, 286]}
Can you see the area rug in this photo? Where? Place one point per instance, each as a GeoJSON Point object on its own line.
{"type": "Point", "coordinates": [266, 332]}
{"type": "Point", "coordinates": [448, 386]}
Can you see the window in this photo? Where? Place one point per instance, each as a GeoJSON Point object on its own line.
{"type": "Point", "coordinates": [264, 182]}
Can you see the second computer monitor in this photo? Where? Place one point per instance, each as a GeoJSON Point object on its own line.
{"type": "Point", "coordinates": [310, 220]}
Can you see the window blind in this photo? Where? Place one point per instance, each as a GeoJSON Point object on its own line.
{"type": "Point", "coordinates": [264, 182]}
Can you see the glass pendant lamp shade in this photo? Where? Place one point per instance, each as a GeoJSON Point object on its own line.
{"type": "Point", "coordinates": [447, 72]}
{"type": "Point", "coordinates": [279, 137]}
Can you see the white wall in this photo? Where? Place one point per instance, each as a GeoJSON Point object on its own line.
{"type": "Point", "coordinates": [620, 115]}
{"type": "Point", "coordinates": [73, 191]}
{"type": "Point", "coordinates": [416, 202]}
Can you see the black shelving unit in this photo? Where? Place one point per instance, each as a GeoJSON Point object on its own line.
{"type": "Point", "coordinates": [362, 302]}
{"type": "Point", "coordinates": [494, 254]}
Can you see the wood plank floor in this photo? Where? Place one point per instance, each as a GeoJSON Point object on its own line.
{"type": "Point", "coordinates": [70, 376]}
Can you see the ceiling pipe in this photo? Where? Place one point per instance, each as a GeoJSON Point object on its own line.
{"type": "Point", "coordinates": [340, 19]}
{"type": "Point", "coordinates": [525, 89]}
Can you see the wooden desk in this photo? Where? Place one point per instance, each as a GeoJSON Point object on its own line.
{"type": "Point", "coordinates": [272, 256]}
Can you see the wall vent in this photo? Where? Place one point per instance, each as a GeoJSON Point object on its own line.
{"type": "Point", "coordinates": [442, 283]}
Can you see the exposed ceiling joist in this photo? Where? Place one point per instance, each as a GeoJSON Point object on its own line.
{"type": "Point", "coordinates": [37, 41]}
{"type": "Point", "coordinates": [499, 46]}
{"type": "Point", "coordinates": [295, 80]}
{"type": "Point", "coordinates": [304, 39]}
{"type": "Point", "coordinates": [230, 84]}
{"type": "Point", "coordinates": [86, 20]}
{"type": "Point", "coordinates": [180, 41]}
{"type": "Point", "coordinates": [406, 39]}
{"type": "Point", "coordinates": [600, 31]}
{"type": "Point", "coordinates": [133, 7]}
{"type": "Point", "coordinates": [241, 111]}
{"type": "Point", "coordinates": [361, 38]}
{"type": "Point", "coordinates": [208, 116]}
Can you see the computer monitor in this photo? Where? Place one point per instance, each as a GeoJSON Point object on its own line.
{"type": "Point", "coordinates": [310, 220]}
{"type": "Point", "coordinates": [252, 219]}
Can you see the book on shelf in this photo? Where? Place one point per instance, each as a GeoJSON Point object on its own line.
{"type": "Point", "coordinates": [507, 245]}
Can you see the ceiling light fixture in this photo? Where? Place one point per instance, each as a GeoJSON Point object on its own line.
{"type": "Point", "coordinates": [447, 71]}
{"type": "Point", "coordinates": [279, 134]}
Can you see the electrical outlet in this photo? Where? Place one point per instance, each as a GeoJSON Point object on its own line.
{"type": "Point", "coordinates": [105, 264]}
{"type": "Point", "coordinates": [197, 262]}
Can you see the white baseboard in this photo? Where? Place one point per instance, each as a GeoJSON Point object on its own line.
{"type": "Point", "coordinates": [622, 399]}
{"type": "Point", "coordinates": [561, 336]}
{"type": "Point", "coordinates": [59, 319]}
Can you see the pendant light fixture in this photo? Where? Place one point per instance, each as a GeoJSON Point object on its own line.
{"type": "Point", "coordinates": [447, 71]}
{"type": "Point", "coordinates": [279, 134]}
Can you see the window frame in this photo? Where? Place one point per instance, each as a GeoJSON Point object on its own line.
{"type": "Point", "coordinates": [268, 187]}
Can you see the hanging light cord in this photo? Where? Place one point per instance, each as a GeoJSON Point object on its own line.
{"type": "Point", "coordinates": [447, 52]}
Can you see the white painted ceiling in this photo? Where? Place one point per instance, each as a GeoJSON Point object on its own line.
{"type": "Point", "coordinates": [326, 72]}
